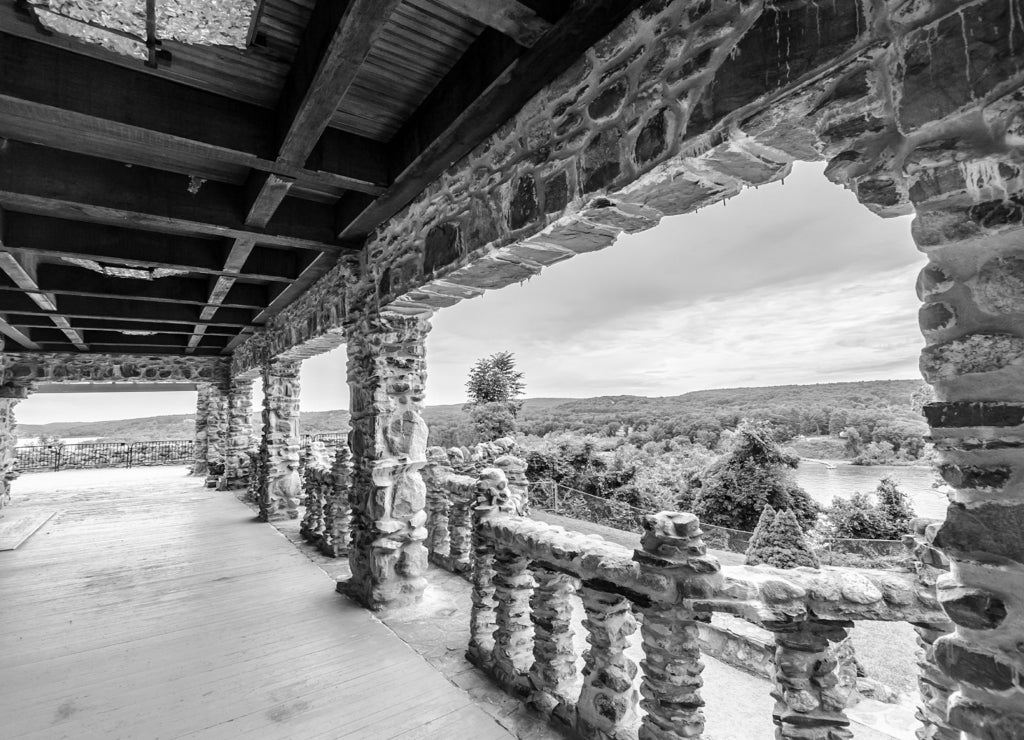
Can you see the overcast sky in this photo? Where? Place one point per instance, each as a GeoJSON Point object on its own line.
{"type": "Point", "coordinates": [789, 283]}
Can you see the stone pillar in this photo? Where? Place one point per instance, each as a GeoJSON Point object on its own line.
{"type": "Point", "coordinates": [553, 673]}
{"type": "Point", "coordinates": [280, 486]}
{"type": "Point", "coordinates": [608, 702]}
{"type": "Point", "coordinates": [673, 548]}
{"type": "Point", "coordinates": [386, 375]}
{"type": "Point", "coordinates": [513, 634]}
{"type": "Point", "coordinates": [8, 443]}
{"type": "Point", "coordinates": [337, 510]}
{"type": "Point", "coordinates": [239, 433]}
{"type": "Point", "coordinates": [809, 705]}
{"type": "Point", "coordinates": [216, 435]}
{"type": "Point", "coordinates": [200, 465]}
{"type": "Point", "coordinates": [973, 322]}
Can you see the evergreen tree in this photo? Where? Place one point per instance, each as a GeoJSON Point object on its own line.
{"type": "Point", "coordinates": [757, 539]}
{"type": "Point", "coordinates": [754, 473]}
{"type": "Point", "coordinates": [784, 545]}
{"type": "Point", "coordinates": [494, 387]}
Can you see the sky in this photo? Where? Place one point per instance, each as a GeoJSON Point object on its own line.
{"type": "Point", "coordinates": [793, 282]}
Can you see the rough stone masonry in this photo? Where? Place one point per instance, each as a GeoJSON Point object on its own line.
{"type": "Point", "coordinates": [918, 107]}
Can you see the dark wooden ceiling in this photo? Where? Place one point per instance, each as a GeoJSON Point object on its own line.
{"type": "Point", "coordinates": [227, 180]}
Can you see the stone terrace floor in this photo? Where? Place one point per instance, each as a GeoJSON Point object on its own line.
{"type": "Point", "coordinates": [152, 607]}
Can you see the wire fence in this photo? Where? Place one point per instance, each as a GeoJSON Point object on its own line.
{"type": "Point", "coordinates": [38, 458]}
{"type": "Point", "coordinates": [565, 501]}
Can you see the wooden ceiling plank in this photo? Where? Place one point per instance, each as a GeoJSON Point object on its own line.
{"type": "Point", "coordinates": [9, 330]}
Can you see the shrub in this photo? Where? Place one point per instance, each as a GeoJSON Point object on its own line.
{"type": "Point", "coordinates": [783, 545]}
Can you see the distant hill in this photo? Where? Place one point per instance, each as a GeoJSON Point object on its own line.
{"type": "Point", "coordinates": [808, 409]}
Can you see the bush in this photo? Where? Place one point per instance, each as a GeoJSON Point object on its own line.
{"type": "Point", "coordinates": [861, 518]}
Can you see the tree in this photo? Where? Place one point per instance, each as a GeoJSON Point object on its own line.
{"type": "Point", "coordinates": [494, 387]}
{"type": "Point", "coordinates": [783, 545]}
{"type": "Point", "coordinates": [495, 379]}
{"type": "Point", "coordinates": [855, 518]}
{"type": "Point", "coordinates": [752, 474]}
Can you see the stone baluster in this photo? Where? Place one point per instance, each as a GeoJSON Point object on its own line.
{"type": "Point", "coordinates": [386, 374]}
{"type": "Point", "coordinates": [460, 535]}
{"type": "Point", "coordinates": [239, 432]}
{"type": "Point", "coordinates": [312, 524]}
{"type": "Point", "coordinates": [252, 494]}
{"type": "Point", "coordinates": [513, 634]}
{"type": "Point", "coordinates": [934, 687]}
{"type": "Point", "coordinates": [809, 704]}
{"type": "Point", "coordinates": [553, 675]}
{"type": "Point", "coordinates": [200, 464]}
{"type": "Point", "coordinates": [216, 435]}
{"type": "Point", "coordinates": [438, 504]}
{"type": "Point", "coordinates": [673, 548]}
{"type": "Point", "coordinates": [337, 511]}
{"type": "Point", "coordinates": [280, 486]}
{"type": "Point", "coordinates": [493, 501]}
{"type": "Point", "coordinates": [608, 701]}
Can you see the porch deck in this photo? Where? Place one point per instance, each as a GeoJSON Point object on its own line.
{"type": "Point", "coordinates": [161, 611]}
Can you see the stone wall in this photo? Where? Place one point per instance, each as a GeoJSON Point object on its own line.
{"type": "Point", "coordinates": [8, 441]}
{"type": "Point", "coordinates": [60, 367]}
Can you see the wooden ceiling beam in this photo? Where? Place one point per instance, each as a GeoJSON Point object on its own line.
{"type": "Point", "coordinates": [38, 179]}
{"type": "Point", "coordinates": [41, 322]}
{"type": "Point", "coordinates": [13, 332]}
{"type": "Point", "coordinates": [57, 239]}
{"type": "Point", "coordinates": [512, 18]}
{"type": "Point", "coordinates": [336, 41]}
{"type": "Point", "coordinates": [23, 272]}
{"type": "Point", "coordinates": [125, 309]}
{"type": "Point", "coordinates": [485, 88]}
{"type": "Point", "coordinates": [107, 110]}
{"type": "Point", "coordinates": [69, 280]}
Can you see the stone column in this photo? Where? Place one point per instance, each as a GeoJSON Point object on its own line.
{"type": "Point", "coordinates": [808, 703]}
{"type": "Point", "coordinates": [386, 375]}
{"type": "Point", "coordinates": [216, 435]}
{"type": "Point", "coordinates": [200, 465]}
{"type": "Point", "coordinates": [280, 486]}
{"type": "Point", "coordinates": [973, 323]}
{"type": "Point", "coordinates": [239, 433]}
{"type": "Point", "coordinates": [9, 397]}
{"type": "Point", "coordinates": [553, 673]}
{"type": "Point", "coordinates": [673, 548]}
{"type": "Point", "coordinates": [337, 511]}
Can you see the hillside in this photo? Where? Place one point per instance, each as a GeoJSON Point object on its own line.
{"type": "Point", "coordinates": [806, 409]}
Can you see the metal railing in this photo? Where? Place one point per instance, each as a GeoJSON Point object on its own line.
{"type": "Point", "coordinates": [330, 439]}
{"type": "Point", "coordinates": [103, 455]}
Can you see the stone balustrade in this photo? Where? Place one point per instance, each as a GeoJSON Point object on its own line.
{"type": "Point", "coordinates": [327, 482]}
{"type": "Point", "coordinates": [531, 580]}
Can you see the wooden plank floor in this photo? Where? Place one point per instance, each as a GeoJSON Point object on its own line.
{"type": "Point", "coordinates": [151, 607]}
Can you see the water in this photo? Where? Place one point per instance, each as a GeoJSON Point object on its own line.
{"type": "Point", "coordinates": [916, 481]}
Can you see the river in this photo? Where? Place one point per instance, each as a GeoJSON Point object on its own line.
{"type": "Point", "coordinates": [915, 480]}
